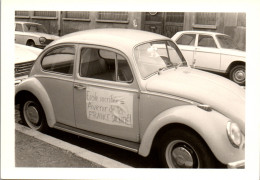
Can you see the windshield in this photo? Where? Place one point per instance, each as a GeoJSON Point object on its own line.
{"type": "Point", "coordinates": [155, 56]}
{"type": "Point", "coordinates": [34, 28]}
{"type": "Point", "coordinates": [226, 42]}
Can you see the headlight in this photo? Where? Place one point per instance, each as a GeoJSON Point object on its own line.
{"type": "Point", "coordinates": [42, 40]}
{"type": "Point", "coordinates": [234, 134]}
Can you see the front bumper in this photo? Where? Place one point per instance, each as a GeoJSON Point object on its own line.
{"type": "Point", "coordinates": [236, 165]}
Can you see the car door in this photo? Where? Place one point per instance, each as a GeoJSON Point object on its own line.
{"type": "Point", "coordinates": [19, 38]}
{"type": "Point", "coordinates": [57, 79]}
{"type": "Point", "coordinates": [207, 54]}
{"type": "Point", "coordinates": [106, 94]}
{"type": "Point", "coordinates": [186, 44]}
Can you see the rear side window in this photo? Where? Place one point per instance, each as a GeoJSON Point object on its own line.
{"type": "Point", "coordinates": [206, 41]}
{"type": "Point", "coordinates": [104, 65]}
{"type": "Point", "coordinates": [18, 27]}
{"type": "Point", "coordinates": [60, 60]}
{"type": "Point", "coordinates": [187, 39]}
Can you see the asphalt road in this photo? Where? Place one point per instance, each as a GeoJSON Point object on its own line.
{"type": "Point", "coordinates": [117, 154]}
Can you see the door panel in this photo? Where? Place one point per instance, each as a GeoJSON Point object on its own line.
{"type": "Point", "coordinates": [106, 94]}
{"type": "Point", "coordinates": [188, 53]}
{"type": "Point", "coordinates": [207, 55]}
{"type": "Point", "coordinates": [207, 58]}
{"type": "Point", "coordinates": [107, 110]}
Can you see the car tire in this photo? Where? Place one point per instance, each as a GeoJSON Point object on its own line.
{"type": "Point", "coordinates": [33, 114]}
{"type": "Point", "coordinates": [30, 43]}
{"type": "Point", "coordinates": [181, 148]}
{"type": "Point", "coordinates": [238, 74]}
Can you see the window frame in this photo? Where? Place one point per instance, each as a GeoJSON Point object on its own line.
{"type": "Point", "coordinates": [57, 47]}
{"type": "Point", "coordinates": [216, 43]}
{"type": "Point", "coordinates": [195, 38]}
{"type": "Point", "coordinates": [116, 51]}
{"type": "Point", "coordinates": [19, 25]}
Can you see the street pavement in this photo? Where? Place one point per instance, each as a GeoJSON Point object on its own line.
{"type": "Point", "coordinates": [35, 149]}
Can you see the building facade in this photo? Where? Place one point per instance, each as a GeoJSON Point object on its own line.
{"type": "Point", "coordinates": [165, 23]}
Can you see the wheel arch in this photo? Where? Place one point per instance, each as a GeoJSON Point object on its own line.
{"type": "Point", "coordinates": [32, 87]}
{"type": "Point", "coordinates": [235, 63]}
{"type": "Point", "coordinates": [213, 133]}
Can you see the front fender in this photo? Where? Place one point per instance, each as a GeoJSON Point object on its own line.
{"type": "Point", "coordinates": [210, 125]}
{"type": "Point", "coordinates": [34, 86]}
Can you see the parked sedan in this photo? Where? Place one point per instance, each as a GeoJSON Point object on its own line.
{"type": "Point", "coordinates": [32, 34]}
{"type": "Point", "coordinates": [133, 89]}
{"type": "Point", "coordinates": [24, 60]}
{"type": "Point", "coordinates": [214, 52]}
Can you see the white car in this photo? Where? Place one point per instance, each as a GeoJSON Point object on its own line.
{"type": "Point", "coordinates": [213, 52]}
{"type": "Point", "coordinates": [32, 34]}
{"type": "Point", "coordinates": [24, 59]}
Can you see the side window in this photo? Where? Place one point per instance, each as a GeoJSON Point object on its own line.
{"type": "Point", "coordinates": [59, 60]}
{"type": "Point", "coordinates": [187, 39]}
{"type": "Point", "coordinates": [206, 41]}
{"type": "Point", "coordinates": [105, 65]}
{"type": "Point", "coordinates": [18, 27]}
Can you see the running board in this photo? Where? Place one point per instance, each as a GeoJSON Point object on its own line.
{"type": "Point", "coordinates": [123, 144]}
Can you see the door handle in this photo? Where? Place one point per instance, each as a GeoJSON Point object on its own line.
{"type": "Point", "coordinates": [79, 86]}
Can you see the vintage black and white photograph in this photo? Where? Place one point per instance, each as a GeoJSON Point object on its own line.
{"type": "Point", "coordinates": [124, 89]}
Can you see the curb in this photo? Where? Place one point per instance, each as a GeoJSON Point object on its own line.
{"type": "Point", "coordinates": [80, 152]}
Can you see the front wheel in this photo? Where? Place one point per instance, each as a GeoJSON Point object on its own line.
{"type": "Point", "coordinates": [30, 43]}
{"type": "Point", "coordinates": [33, 114]}
{"type": "Point", "coordinates": [238, 74]}
{"type": "Point", "coordinates": [184, 149]}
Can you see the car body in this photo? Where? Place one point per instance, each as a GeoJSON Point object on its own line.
{"type": "Point", "coordinates": [32, 34]}
{"type": "Point", "coordinates": [24, 60]}
{"type": "Point", "coordinates": [134, 90]}
{"type": "Point", "coordinates": [214, 52]}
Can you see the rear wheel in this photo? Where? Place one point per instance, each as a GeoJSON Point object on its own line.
{"type": "Point", "coordinates": [238, 74]}
{"type": "Point", "coordinates": [33, 114]}
{"type": "Point", "coordinates": [181, 148]}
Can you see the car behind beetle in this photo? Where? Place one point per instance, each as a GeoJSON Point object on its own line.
{"type": "Point", "coordinates": [134, 90]}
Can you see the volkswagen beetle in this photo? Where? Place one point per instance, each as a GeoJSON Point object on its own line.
{"type": "Point", "coordinates": [134, 90]}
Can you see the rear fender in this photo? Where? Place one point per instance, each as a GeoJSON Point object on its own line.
{"type": "Point", "coordinates": [210, 125]}
{"type": "Point", "coordinates": [32, 85]}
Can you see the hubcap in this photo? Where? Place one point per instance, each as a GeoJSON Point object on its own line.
{"type": "Point", "coordinates": [31, 113]}
{"type": "Point", "coordinates": [240, 75]}
{"type": "Point", "coordinates": [180, 155]}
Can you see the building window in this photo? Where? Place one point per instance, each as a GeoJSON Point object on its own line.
{"type": "Point", "coordinates": [22, 14]}
{"type": "Point", "coordinates": [76, 16]}
{"type": "Point", "coordinates": [205, 20]}
{"type": "Point", "coordinates": [44, 14]}
{"type": "Point", "coordinates": [241, 19]}
{"type": "Point", "coordinates": [177, 17]}
{"type": "Point", "coordinates": [117, 17]}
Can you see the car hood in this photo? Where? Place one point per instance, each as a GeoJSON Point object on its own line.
{"type": "Point", "coordinates": [220, 93]}
{"type": "Point", "coordinates": [25, 53]}
{"type": "Point", "coordinates": [37, 34]}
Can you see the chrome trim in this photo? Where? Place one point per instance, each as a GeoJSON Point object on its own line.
{"type": "Point", "coordinates": [97, 139]}
{"type": "Point", "coordinates": [54, 77]}
{"type": "Point", "coordinates": [107, 86]}
{"type": "Point", "coordinates": [236, 164]}
{"type": "Point", "coordinates": [170, 96]}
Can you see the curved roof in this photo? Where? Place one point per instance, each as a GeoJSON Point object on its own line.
{"type": "Point", "coordinates": [122, 39]}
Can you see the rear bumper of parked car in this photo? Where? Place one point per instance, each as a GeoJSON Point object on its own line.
{"type": "Point", "coordinates": [236, 164]}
